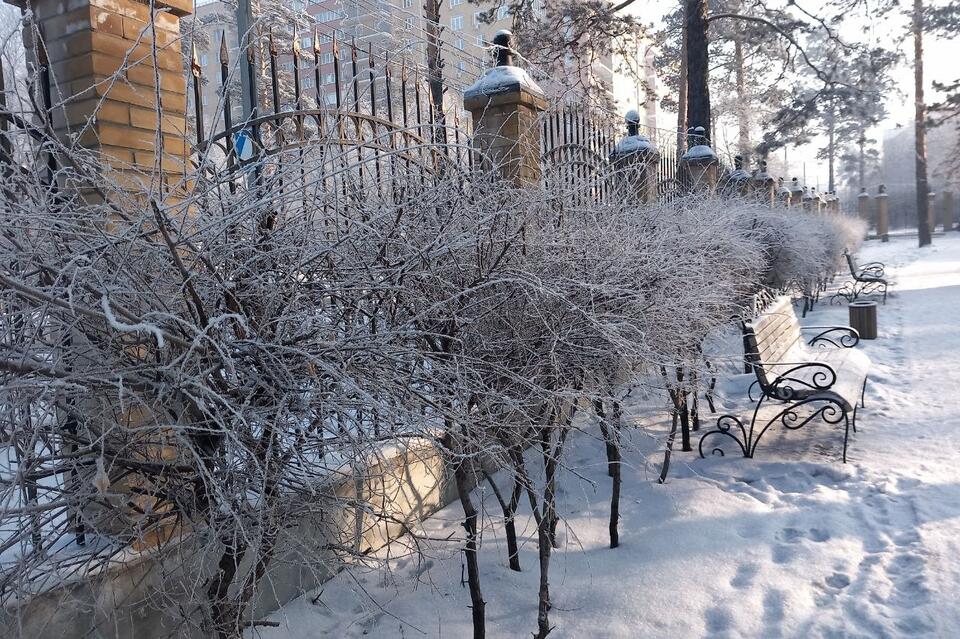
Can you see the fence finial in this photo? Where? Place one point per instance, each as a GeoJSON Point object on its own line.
{"type": "Point", "coordinates": [632, 118]}
{"type": "Point", "coordinates": [503, 48]}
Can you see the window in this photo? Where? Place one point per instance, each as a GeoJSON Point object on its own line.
{"type": "Point", "coordinates": [203, 59]}
{"type": "Point", "coordinates": [205, 100]}
{"type": "Point", "coordinates": [328, 16]}
{"type": "Point", "coordinates": [308, 82]}
{"type": "Point", "coordinates": [327, 58]}
{"type": "Point", "coordinates": [456, 23]}
{"type": "Point", "coordinates": [329, 78]}
{"type": "Point", "coordinates": [408, 23]}
{"type": "Point", "coordinates": [502, 12]}
{"type": "Point", "coordinates": [407, 4]}
{"type": "Point", "coordinates": [480, 41]}
{"type": "Point", "coordinates": [460, 43]}
{"type": "Point", "coordinates": [461, 66]}
{"type": "Point", "coordinates": [455, 3]}
{"type": "Point", "coordinates": [476, 17]}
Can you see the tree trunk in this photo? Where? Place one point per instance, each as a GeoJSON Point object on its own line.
{"type": "Point", "coordinates": [920, 127]}
{"type": "Point", "coordinates": [470, 551]}
{"type": "Point", "coordinates": [665, 468]}
{"type": "Point", "coordinates": [743, 111]}
{"type": "Point", "coordinates": [862, 163]}
{"type": "Point", "coordinates": [698, 74]}
{"type": "Point", "coordinates": [431, 15]}
{"type": "Point", "coordinates": [509, 509]}
{"type": "Point", "coordinates": [682, 96]}
{"type": "Point", "coordinates": [831, 150]}
{"type": "Point", "coordinates": [610, 438]}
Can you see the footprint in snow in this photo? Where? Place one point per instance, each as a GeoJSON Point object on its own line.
{"type": "Point", "coordinates": [819, 535]}
{"type": "Point", "coordinates": [783, 554]}
{"type": "Point", "coordinates": [838, 581]}
{"type": "Point", "coordinates": [745, 575]}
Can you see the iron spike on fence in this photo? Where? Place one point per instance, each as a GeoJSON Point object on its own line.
{"type": "Point", "coordinates": [227, 111]}
{"type": "Point", "coordinates": [373, 80]}
{"type": "Point", "coordinates": [197, 73]}
{"type": "Point", "coordinates": [403, 94]}
{"type": "Point", "coordinates": [274, 78]}
{"type": "Point", "coordinates": [321, 102]}
{"type": "Point", "coordinates": [296, 67]}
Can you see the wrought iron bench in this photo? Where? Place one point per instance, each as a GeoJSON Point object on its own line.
{"type": "Point", "coordinates": [867, 280]}
{"type": "Point", "coordinates": [803, 383]}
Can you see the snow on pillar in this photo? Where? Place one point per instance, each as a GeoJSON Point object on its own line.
{"type": "Point", "coordinates": [738, 182]}
{"type": "Point", "coordinates": [505, 104]}
{"type": "Point", "coordinates": [636, 158]}
{"type": "Point", "coordinates": [883, 214]}
{"type": "Point", "coordinates": [699, 164]}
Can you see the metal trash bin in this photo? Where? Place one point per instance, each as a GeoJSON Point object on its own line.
{"type": "Point", "coordinates": [863, 317]}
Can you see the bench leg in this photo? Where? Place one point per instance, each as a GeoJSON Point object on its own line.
{"type": "Point", "coordinates": [747, 436]}
{"type": "Point", "coordinates": [846, 431]}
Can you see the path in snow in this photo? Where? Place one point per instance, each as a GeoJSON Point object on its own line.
{"type": "Point", "coordinates": [791, 544]}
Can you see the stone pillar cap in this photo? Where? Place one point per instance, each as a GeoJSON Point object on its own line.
{"type": "Point", "coordinates": [497, 81]}
{"type": "Point", "coordinates": [700, 154]}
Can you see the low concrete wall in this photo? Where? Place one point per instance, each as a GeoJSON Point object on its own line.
{"type": "Point", "coordinates": [143, 596]}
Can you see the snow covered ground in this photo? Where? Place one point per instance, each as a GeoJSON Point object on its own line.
{"type": "Point", "coordinates": [791, 544]}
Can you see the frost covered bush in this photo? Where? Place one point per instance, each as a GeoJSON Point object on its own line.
{"type": "Point", "coordinates": [196, 374]}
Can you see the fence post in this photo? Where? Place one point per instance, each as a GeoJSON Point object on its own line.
{"type": "Point", "coordinates": [946, 214]}
{"type": "Point", "coordinates": [124, 99]}
{"type": "Point", "coordinates": [931, 211]}
{"type": "Point", "coordinates": [101, 58]}
{"type": "Point", "coordinates": [883, 214]}
{"type": "Point", "coordinates": [863, 206]}
{"type": "Point", "coordinates": [764, 186]}
{"type": "Point", "coordinates": [700, 163]}
{"type": "Point", "coordinates": [738, 182]}
{"type": "Point", "coordinates": [796, 193]}
{"type": "Point", "coordinates": [635, 157]}
{"type": "Point", "coordinates": [783, 193]}
{"type": "Point", "coordinates": [505, 104]}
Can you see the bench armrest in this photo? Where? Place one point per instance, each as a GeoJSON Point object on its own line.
{"type": "Point", "coordinates": [788, 386]}
{"type": "Point", "coordinates": [845, 337]}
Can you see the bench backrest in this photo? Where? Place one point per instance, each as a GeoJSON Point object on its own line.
{"type": "Point", "coordinates": [771, 336]}
{"type": "Point", "coordinates": [851, 262]}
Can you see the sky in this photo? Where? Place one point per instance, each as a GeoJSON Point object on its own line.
{"type": "Point", "coordinates": [939, 64]}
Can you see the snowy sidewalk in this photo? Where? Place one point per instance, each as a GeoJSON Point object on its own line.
{"type": "Point", "coordinates": [791, 544]}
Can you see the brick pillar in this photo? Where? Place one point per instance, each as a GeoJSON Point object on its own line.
{"type": "Point", "coordinates": [783, 193]}
{"type": "Point", "coordinates": [700, 163]}
{"type": "Point", "coordinates": [796, 193]}
{"type": "Point", "coordinates": [931, 211]}
{"type": "Point", "coordinates": [102, 63]}
{"type": "Point", "coordinates": [764, 186]}
{"type": "Point", "coordinates": [506, 104]}
{"type": "Point", "coordinates": [946, 211]}
{"type": "Point", "coordinates": [883, 215]}
{"type": "Point", "coordinates": [635, 158]}
{"type": "Point", "coordinates": [126, 100]}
